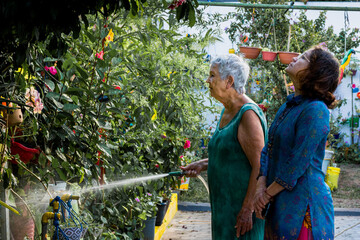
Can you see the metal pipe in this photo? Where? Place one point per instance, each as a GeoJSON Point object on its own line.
{"type": "Point", "coordinates": [277, 6]}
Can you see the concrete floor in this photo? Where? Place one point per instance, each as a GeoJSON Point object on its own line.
{"type": "Point", "coordinates": [188, 225]}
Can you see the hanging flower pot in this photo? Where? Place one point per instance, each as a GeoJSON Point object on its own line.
{"type": "Point", "coordinates": [73, 233]}
{"type": "Point", "coordinates": [358, 95]}
{"type": "Point", "coordinates": [287, 57]}
{"type": "Point", "coordinates": [26, 154]}
{"type": "Point", "coordinates": [250, 52]}
{"type": "Point", "coordinates": [269, 56]}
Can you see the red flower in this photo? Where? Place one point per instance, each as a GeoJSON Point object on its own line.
{"type": "Point", "coordinates": [100, 55]}
{"type": "Point", "coordinates": [187, 144]}
{"type": "Point", "coordinates": [117, 87]}
{"type": "Point", "coordinates": [262, 106]}
{"type": "Point", "coordinates": [157, 165]}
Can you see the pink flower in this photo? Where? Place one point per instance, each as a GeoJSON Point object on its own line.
{"type": "Point", "coordinates": [100, 55]}
{"type": "Point", "coordinates": [353, 86]}
{"type": "Point", "coordinates": [137, 199]}
{"type": "Point", "coordinates": [149, 194]}
{"type": "Point", "coordinates": [187, 144]}
{"type": "Point", "coordinates": [181, 156]}
{"type": "Point", "coordinates": [51, 69]}
{"type": "Point", "coordinates": [176, 3]}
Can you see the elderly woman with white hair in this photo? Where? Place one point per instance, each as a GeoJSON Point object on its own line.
{"type": "Point", "coordinates": [234, 153]}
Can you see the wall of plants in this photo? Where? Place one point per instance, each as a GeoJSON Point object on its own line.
{"type": "Point", "coordinates": [125, 100]}
{"type": "Point", "coordinates": [276, 30]}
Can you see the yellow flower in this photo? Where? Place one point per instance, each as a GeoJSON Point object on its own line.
{"type": "Point", "coordinates": [109, 37]}
{"type": "Point", "coordinates": [154, 117]}
{"type": "Point", "coordinates": [26, 75]}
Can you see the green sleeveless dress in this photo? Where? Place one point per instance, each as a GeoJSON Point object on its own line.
{"type": "Point", "coordinates": [228, 176]}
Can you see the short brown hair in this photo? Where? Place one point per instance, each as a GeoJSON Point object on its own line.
{"type": "Point", "coordinates": [321, 78]}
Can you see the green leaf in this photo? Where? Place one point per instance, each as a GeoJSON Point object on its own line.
{"type": "Point", "coordinates": [49, 59]}
{"type": "Point", "coordinates": [192, 18]}
{"type": "Point", "coordinates": [68, 107]}
{"type": "Point", "coordinates": [87, 50]}
{"type": "Point", "coordinates": [61, 156]}
{"type": "Point", "coordinates": [103, 220]}
{"type": "Point", "coordinates": [69, 132]}
{"type": "Point", "coordinates": [90, 36]}
{"type": "Point", "coordinates": [55, 163]}
{"type": "Point", "coordinates": [61, 174]}
{"type": "Point", "coordinates": [50, 84]}
{"type": "Point", "coordinates": [82, 72]}
{"type": "Point", "coordinates": [103, 148]}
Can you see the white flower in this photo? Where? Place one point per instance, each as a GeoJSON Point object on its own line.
{"type": "Point", "coordinates": [293, 18]}
{"type": "Point", "coordinates": [354, 39]}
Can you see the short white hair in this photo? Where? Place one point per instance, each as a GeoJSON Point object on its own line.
{"type": "Point", "coordinates": [235, 66]}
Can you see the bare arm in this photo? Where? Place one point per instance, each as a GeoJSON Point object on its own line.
{"type": "Point", "coordinates": [195, 168]}
{"type": "Point", "coordinates": [251, 138]}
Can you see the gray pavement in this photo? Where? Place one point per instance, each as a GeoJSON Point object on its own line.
{"type": "Point", "coordinates": [191, 224]}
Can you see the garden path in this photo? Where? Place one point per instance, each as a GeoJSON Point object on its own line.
{"type": "Point", "coordinates": [189, 225]}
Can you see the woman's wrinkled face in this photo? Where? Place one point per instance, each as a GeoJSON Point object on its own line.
{"type": "Point", "coordinates": [217, 86]}
{"type": "Point", "coordinates": [298, 64]}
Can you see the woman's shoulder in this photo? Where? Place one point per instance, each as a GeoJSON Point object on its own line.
{"type": "Point", "coordinates": [315, 108]}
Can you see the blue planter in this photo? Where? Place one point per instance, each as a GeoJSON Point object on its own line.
{"type": "Point", "coordinates": [149, 230]}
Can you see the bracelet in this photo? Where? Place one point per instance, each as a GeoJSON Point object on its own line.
{"type": "Point", "coordinates": [271, 197]}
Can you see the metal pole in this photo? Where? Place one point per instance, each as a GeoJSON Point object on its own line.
{"type": "Point", "coordinates": [277, 6]}
{"type": "Point", "coordinates": [4, 218]}
{"type": "Point", "coordinates": [352, 114]}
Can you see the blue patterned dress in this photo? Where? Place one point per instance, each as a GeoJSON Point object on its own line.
{"type": "Point", "coordinates": [292, 157]}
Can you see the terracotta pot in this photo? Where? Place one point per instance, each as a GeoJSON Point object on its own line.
{"type": "Point", "coordinates": [22, 226]}
{"type": "Point", "coordinates": [250, 52]}
{"type": "Point", "coordinates": [269, 56]}
{"type": "Point", "coordinates": [287, 57]}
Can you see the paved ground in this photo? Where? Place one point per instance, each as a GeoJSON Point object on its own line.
{"type": "Point", "coordinates": [190, 225]}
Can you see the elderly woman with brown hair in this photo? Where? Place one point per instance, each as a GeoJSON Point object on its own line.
{"type": "Point", "coordinates": [234, 153]}
{"type": "Point", "coordinates": [291, 191]}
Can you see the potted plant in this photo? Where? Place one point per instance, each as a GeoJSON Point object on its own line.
{"type": "Point", "coordinates": [248, 48]}
{"type": "Point", "coordinates": [268, 55]}
{"type": "Point", "coordinates": [287, 56]}
{"type": "Point", "coordinates": [250, 52]}
{"type": "Point", "coordinates": [354, 65]}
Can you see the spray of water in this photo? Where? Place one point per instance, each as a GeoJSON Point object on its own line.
{"type": "Point", "coordinates": [124, 182]}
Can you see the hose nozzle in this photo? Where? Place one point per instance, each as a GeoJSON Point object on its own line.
{"type": "Point", "coordinates": [177, 174]}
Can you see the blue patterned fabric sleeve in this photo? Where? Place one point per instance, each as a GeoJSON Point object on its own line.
{"type": "Point", "coordinates": [264, 161]}
{"type": "Point", "coordinates": [312, 127]}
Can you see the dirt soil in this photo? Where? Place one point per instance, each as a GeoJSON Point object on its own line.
{"type": "Point", "coordinates": [348, 193]}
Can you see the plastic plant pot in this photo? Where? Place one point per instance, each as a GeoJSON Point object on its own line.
{"type": "Point", "coordinates": [269, 56]}
{"type": "Point", "coordinates": [250, 52]}
{"type": "Point", "coordinates": [162, 207]}
{"type": "Point", "coordinates": [149, 230]}
{"type": "Point", "coordinates": [287, 57]}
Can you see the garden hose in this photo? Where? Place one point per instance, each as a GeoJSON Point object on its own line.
{"type": "Point", "coordinates": [177, 174]}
